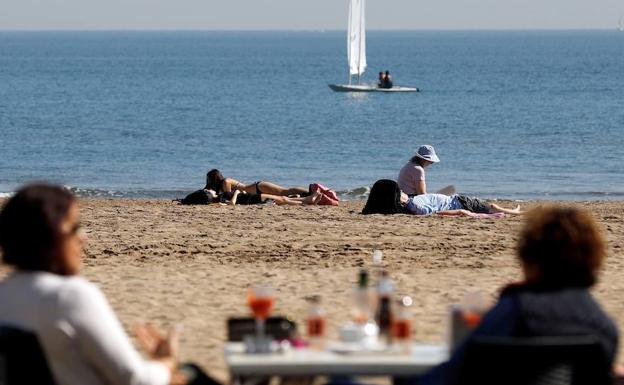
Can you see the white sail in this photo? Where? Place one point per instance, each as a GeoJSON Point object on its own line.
{"type": "Point", "coordinates": [356, 38]}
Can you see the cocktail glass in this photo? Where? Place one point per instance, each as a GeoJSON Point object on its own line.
{"type": "Point", "coordinates": [473, 306]}
{"type": "Point", "coordinates": [260, 301]}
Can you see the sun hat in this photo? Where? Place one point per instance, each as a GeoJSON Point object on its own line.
{"type": "Point", "coordinates": [427, 152]}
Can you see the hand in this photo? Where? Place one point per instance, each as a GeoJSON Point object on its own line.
{"type": "Point", "coordinates": [155, 344]}
{"type": "Point", "coordinates": [618, 374]}
{"type": "Point", "coordinates": [178, 378]}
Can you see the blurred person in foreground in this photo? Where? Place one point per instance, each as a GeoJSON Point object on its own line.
{"type": "Point", "coordinates": [82, 339]}
{"type": "Point", "coordinates": [560, 250]}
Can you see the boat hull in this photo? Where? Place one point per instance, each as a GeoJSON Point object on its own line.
{"type": "Point", "coordinates": [367, 88]}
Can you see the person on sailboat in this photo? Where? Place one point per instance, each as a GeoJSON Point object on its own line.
{"type": "Point", "coordinates": [412, 175]}
{"type": "Point", "coordinates": [382, 80]}
{"type": "Point", "coordinates": [388, 80]}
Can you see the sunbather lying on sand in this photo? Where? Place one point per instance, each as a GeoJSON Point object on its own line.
{"type": "Point", "coordinates": [387, 198]}
{"type": "Point", "coordinates": [242, 198]}
{"type": "Point", "coordinates": [216, 181]}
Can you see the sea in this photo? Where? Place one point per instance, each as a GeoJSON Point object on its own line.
{"type": "Point", "coordinates": [511, 114]}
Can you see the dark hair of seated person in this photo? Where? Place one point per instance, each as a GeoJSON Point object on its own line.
{"type": "Point", "coordinates": [30, 233]}
{"type": "Point", "coordinates": [384, 198]}
{"type": "Point", "coordinates": [214, 180]}
{"type": "Point", "coordinates": [418, 160]}
{"type": "Point", "coordinates": [563, 246]}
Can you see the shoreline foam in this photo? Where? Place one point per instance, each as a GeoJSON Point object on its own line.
{"type": "Point", "coordinates": [353, 194]}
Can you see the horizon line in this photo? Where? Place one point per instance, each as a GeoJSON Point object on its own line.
{"type": "Point", "coordinates": [310, 30]}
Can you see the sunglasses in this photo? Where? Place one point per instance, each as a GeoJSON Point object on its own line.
{"type": "Point", "coordinates": [75, 229]}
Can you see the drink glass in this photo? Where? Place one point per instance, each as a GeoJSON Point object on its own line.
{"type": "Point", "coordinates": [473, 306]}
{"type": "Point", "coordinates": [402, 324]}
{"type": "Point", "coordinates": [402, 329]}
{"type": "Point", "coordinates": [316, 326]}
{"type": "Point", "coordinates": [466, 317]}
{"type": "Point", "coordinates": [316, 318]}
{"type": "Point", "coordinates": [260, 301]}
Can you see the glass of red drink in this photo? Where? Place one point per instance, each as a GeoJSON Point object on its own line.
{"type": "Point", "coordinates": [402, 324]}
{"type": "Point", "coordinates": [402, 329]}
{"type": "Point", "coordinates": [316, 318]}
{"type": "Point", "coordinates": [316, 326]}
{"type": "Point", "coordinates": [473, 306]}
{"type": "Point", "coordinates": [471, 318]}
{"type": "Point", "coordinates": [260, 301]}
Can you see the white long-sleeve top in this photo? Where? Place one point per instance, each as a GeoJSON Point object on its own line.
{"type": "Point", "coordinates": [82, 339]}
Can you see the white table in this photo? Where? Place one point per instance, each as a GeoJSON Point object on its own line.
{"type": "Point", "coordinates": [305, 362]}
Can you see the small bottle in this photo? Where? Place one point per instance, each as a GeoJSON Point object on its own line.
{"type": "Point", "coordinates": [316, 319]}
{"type": "Point", "coordinates": [367, 331]}
{"type": "Point", "coordinates": [363, 279]}
{"type": "Point", "coordinates": [383, 316]}
{"type": "Point", "coordinates": [377, 257]}
{"type": "Point", "coordinates": [362, 299]}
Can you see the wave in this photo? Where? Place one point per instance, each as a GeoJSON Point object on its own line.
{"type": "Point", "coordinates": [130, 194]}
{"type": "Point", "coordinates": [94, 193]}
{"type": "Point", "coordinates": [354, 194]}
{"type": "Point", "coordinates": [357, 193]}
{"type": "Point", "coordinates": [551, 195]}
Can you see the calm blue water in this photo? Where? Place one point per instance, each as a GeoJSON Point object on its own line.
{"type": "Point", "coordinates": [511, 114]}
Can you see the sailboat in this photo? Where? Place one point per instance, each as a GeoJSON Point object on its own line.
{"type": "Point", "coordinates": [621, 24]}
{"type": "Point", "coordinates": [356, 54]}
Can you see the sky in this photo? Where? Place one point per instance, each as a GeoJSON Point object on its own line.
{"type": "Point", "coordinates": [306, 15]}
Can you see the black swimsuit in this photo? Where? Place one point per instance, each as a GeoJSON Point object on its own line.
{"type": "Point", "coordinates": [242, 199]}
{"type": "Point", "coordinates": [258, 187]}
{"type": "Point", "coordinates": [257, 184]}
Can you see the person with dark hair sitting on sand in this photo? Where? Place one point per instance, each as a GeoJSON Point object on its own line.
{"type": "Point", "coordinates": [217, 182]}
{"type": "Point", "coordinates": [560, 251]}
{"type": "Point", "coordinates": [81, 338]}
{"type": "Point", "coordinates": [387, 198]}
{"type": "Point", "coordinates": [238, 197]}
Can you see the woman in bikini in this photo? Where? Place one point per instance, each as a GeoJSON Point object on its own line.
{"type": "Point", "coordinates": [217, 182]}
{"type": "Point", "coordinates": [238, 197]}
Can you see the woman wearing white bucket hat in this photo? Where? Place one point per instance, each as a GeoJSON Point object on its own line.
{"type": "Point", "coordinates": [412, 176]}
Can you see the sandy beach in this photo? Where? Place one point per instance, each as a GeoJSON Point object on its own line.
{"type": "Point", "coordinates": [162, 262]}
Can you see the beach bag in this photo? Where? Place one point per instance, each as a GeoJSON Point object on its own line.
{"type": "Point", "coordinates": [329, 197]}
{"type": "Point", "coordinates": [199, 197]}
{"type": "Point", "coordinates": [327, 201]}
